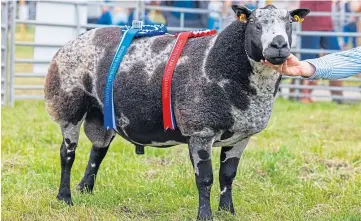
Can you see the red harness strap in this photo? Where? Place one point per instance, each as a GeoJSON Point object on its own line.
{"type": "Point", "coordinates": [168, 115]}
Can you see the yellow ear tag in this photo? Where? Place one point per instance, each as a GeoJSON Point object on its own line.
{"type": "Point", "coordinates": [242, 18]}
{"type": "Point", "coordinates": [298, 19]}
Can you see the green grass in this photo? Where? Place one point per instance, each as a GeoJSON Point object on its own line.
{"type": "Point", "coordinates": [305, 166]}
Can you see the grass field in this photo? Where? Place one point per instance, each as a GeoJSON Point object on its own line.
{"type": "Point", "coordinates": [305, 166]}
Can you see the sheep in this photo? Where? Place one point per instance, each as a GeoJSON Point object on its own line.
{"type": "Point", "coordinates": [221, 94]}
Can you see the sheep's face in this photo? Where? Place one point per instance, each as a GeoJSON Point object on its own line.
{"type": "Point", "coordinates": [268, 32]}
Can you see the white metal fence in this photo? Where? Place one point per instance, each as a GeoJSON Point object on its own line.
{"type": "Point", "coordinates": [18, 84]}
{"type": "Point", "coordinates": [4, 56]}
{"type": "Point", "coordinates": [351, 88]}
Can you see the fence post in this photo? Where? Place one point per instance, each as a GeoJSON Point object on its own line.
{"type": "Point", "coordinates": [77, 17]}
{"type": "Point", "coordinates": [137, 11]}
{"type": "Point", "coordinates": [12, 52]}
{"type": "Point", "coordinates": [182, 20]}
{"type": "Point", "coordinates": [220, 21]}
{"type": "Point", "coordinates": [297, 92]}
{"type": "Point", "coordinates": [141, 11]}
{"type": "Point", "coordinates": [4, 53]}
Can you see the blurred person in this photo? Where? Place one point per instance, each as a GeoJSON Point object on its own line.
{"type": "Point", "coordinates": [120, 16]}
{"type": "Point", "coordinates": [331, 67]}
{"type": "Point", "coordinates": [106, 17]}
{"type": "Point", "coordinates": [251, 4]}
{"type": "Point", "coordinates": [216, 8]}
{"type": "Point", "coordinates": [228, 15]}
{"type": "Point", "coordinates": [318, 23]}
{"type": "Point", "coordinates": [156, 16]}
{"type": "Point", "coordinates": [263, 3]}
{"type": "Point", "coordinates": [350, 26]}
{"type": "Point", "coordinates": [146, 19]}
{"type": "Point", "coordinates": [191, 20]}
{"type": "Point", "coordinates": [23, 14]}
{"type": "Point", "coordinates": [356, 7]}
{"type": "Point", "coordinates": [32, 10]}
{"type": "Point", "coordinates": [93, 14]}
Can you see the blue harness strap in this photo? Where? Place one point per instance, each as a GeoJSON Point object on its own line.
{"type": "Point", "coordinates": [137, 30]}
{"type": "Point", "coordinates": [109, 116]}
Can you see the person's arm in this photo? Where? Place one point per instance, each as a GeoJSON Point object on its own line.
{"type": "Point", "coordinates": [333, 66]}
{"type": "Point", "coordinates": [337, 65]}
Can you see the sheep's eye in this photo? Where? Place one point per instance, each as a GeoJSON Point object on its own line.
{"type": "Point", "coordinates": [291, 21]}
{"type": "Point", "coordinates": [251, 20]}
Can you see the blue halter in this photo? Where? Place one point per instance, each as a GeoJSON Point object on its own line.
{"type": "Point", "coordinates": [137, 30]}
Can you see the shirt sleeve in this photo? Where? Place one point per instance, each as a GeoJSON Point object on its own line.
{"type": "Point", "coordinates": [337, 65]}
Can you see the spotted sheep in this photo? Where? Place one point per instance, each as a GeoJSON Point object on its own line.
{"type": "Point", "coordinates": [221, 94]}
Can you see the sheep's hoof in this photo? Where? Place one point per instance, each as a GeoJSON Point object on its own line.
{"type": "Point", "coordinates": [139, 149]}
{"type": "Point", "coordinates": [85, 187]}
{"type": "Point", "coordinates": [204, 218]}
{"type": "Point", "coordinates": [227, 207]}
{"type": "Point", "coordinates": [204, 215]}
{"type": "Point", "coordinates": [66, 199]}
{"type": "Point", "coordinates": [227, 210]}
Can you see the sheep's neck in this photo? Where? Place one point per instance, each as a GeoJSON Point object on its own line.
{"type": "Point", "coordinates": [264, 79]}
{"type": "Point", "coordinates": [228, 62]}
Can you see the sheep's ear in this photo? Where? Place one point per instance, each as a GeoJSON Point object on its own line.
{"type": "Point", "coordinates": [242, 12]}
{"type": "Point", "coordinates": [298, 15]}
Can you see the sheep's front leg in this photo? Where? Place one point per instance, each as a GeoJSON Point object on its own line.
{"type": "Point", "coordinates": [95, 159]}
{"type": "Point", "coordinates": [200, 153]}
{"type": "Point", "coordinates": [229, 162]}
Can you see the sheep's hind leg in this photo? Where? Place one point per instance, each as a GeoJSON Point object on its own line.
{"type": "Point", "coordinates": [101, 140]}
{"type": "Point", "coordinates": [200, 154]}
{"type": "Point", "coordinates": [70, 133]}
{"type": "Point", "coordinates": [230, 157]}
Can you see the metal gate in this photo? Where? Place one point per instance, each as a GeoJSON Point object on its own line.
{"type": "Point", "coordinates": [27, 83]}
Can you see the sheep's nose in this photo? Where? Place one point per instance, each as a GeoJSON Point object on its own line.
{"type": "Point", "coordinates": [278, 42]}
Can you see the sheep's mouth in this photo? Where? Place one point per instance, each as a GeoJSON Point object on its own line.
{"type": "Point", "coordinates": [277, 60]}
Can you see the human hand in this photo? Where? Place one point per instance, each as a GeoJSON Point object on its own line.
{"type": "Point", "coordinates": [293, 67]}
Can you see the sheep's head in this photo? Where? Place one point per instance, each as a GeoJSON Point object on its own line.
{"type": "Point", "coordinates": [268, 32]}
